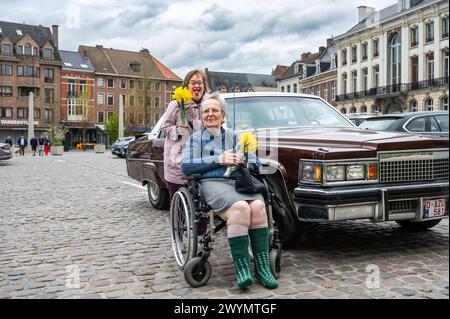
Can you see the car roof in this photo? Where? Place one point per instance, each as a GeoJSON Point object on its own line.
{"type": "Point", "coordinates": [407, 115]}
{"type": "Point", "coordinates": [274, 94]}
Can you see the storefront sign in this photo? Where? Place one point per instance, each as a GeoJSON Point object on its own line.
{"type": "Point", "coordinates": [16, 122]}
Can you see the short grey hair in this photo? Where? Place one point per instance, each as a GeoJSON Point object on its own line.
{"type": "Point", "coordinates": [214, 96]}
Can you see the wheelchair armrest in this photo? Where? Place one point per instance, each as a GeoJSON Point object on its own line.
{"type": "Point", "coordinates": [194, 177]}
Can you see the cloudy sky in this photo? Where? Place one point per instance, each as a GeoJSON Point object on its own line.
{"type": "Point", "coordinates": [234, 35]}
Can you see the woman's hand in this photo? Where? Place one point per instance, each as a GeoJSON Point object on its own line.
{"type": "Point", "coordinates": [228, 158]}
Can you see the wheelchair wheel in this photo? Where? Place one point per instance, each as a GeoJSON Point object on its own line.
{"type": "Point", "coordinates": [196, 276]}
{"type": "Point", "coordinates": [184, 229]}
{"type": "Point", "coordinates": [275, 262]}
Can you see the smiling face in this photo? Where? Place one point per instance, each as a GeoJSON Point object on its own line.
{"type": "Point", "coordinates": [196, 86]}
{"type": "Point", "coordinates": [212, 115]}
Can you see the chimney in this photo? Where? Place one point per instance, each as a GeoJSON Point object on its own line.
{"type": "Point", "coordinates": [145, 52]}
{"type": "Point", "coordinates": [321, 49]}
{"type": "Point", "coordinates": [329, 42]}
{"type": "Point", "coordinates": [304, 56]}
{"type": "Point", "coordinates": [55, 34]}
{"type": "Point", "coordinates": [364, 12]}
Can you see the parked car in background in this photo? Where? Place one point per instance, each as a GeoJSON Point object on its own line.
{"type": "Point", "coordinates": [433, 123]}
{"type": "Point", "coordinates": [120, 147]}
{"type": "Point", "coordinates": [320, 166]}
{"type": "Point", "coordinates": [5, 151]}
{"type": "Point", "coordinates": [358, 118]}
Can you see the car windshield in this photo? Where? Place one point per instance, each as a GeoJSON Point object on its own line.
{"type": "Point", "coordinates": [380, 124]}
{"type": "Point", "coordinates": [281, 111]}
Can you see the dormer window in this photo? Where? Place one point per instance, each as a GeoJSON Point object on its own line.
{"type": "Point", "coordinates": [333, 61]}
{"type": "Point", "coordinates": [296, 68]}
{"type": "Point", "coordinates": [317, 67]}
{"type": "Point", "coordinates": [28, 50]}
{"type": "Point", "coordinates": [48, 53]}
{"type": "Point", "coordinates": [135, 67]}
{"type": "Point", "coordinates": [20, 50]}
{"type": "Point", "coordinates": [19, 32]}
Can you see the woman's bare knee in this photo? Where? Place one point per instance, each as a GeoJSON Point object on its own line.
{"type": "Point", "coordinates": [258, 213]}
{"type": "Point", "coordinates": [238, 213]}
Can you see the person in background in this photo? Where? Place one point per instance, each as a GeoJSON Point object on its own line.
{"type": "Point", "coordinates": [9, 141]}
{"type": "Point", "coordinates": [22, 142]}
{"type": "Point", "coordinates": [33, 143]}
{"type": "Point", "coordinates": [41, 142]}
{"type": "Point", "coordinates": [177, 133]}
{"type": "Point", "coordinates": [47, 144]}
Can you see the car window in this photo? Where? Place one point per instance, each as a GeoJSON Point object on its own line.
{"type": "Point", "coordinates": [281, 111]}
{"type": "Point", "coordinates": [379, 124]}
{"type": "Point", "coordinates": [417, 125]}
{"type": "Point", "coordinates": [442, 121]}
{"type": "Point", "coordinates": [434, 125]}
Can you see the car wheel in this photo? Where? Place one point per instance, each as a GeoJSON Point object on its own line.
{"type": "Point", "coordinates": [159, 197]}
{"type": "Point", "coordinates": [418, 226]}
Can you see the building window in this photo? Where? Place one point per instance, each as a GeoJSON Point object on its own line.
{"type": "Point", "coordinates": [131, 85]}
{"type": "Point", "coordinates": [325, 91]}
{"type": "Point", "coordinates": [35, 51]}
{"type": "Point", "coordinates": [22, 113]}
{"type": "Point", "coordinates": [365, 80]}
{"type": "Point", "coordinates": [110, 114]}
{"type": "Point", "coordinates": [6, 91]}
{"type": "Point", "coordinates": [445, 27]}
{"type": "Point", "coordinates": [110, 99]}
{"type": "Point", "coordinates": [157, 86]}
{"type": "Point", "coordinates": [37, 113]}
{"type": "Point", "coordinates": [396, 59]}
{"type": "Point", "coordinates": [429, 32]}
{"type": "Point", "coordinates": [48, 53]}
{"type": "Point", "coordinates": [413, 106]}
{"type": "Point", "coordinates": [333, 90]}
{"type": "Point", "coordinates": [49, 75]}
{"type": "Point", "coordinates": [344, 83]}
{"type": "Point", "coordinates": [100, 82]}
{"type": "Point", "coordinates": [6, 70]}
{"type": "Point", "coordinates": [48, 115]}
{"type": "Point", "coordinates": [318, 91]}
{"type": "Point", "coordinates": [101, 98]}
{"type": "Point", "coordinates": [140, 85]}
{"type": "Point", "coordinates": [344, 56]}
{"type": "Point", "coordinates": [101, 117]}
{"type": "Point", "coordinates": [6, 112]}
{"type": "Point", "coordinates": [20, 50]}
{"type": "Point", "coordinates": [295, 88]}
{"type": "Point", "coordinates": [354, 54]}
{"type": "Point", "coordinates": [110, 82]}
{"type": "Point", "coordinates": [445, 64]}
{"type": "Point", "coordinates": [430, 66]}
{"type": "Point", "coordinates": [49, 96]}
{"type": "Point", "coordinates": [135, 67]}
{"type": "Point", "coordinates": [429, 104]}
{"type": "Point", "coordinates": [27, 49]}
{"type": "Point", "coordinates": [71, 89]}
{"type": "Point", "coordinates": [444, 103]}
{"type": "Point", "coordinates": [123, 83]}
{"type": "Point", "coordinates": [376, 76]}
{"type": "Point", "coordinates": [288, 87]}
{"type": "Point", "coordinates": [375, 45]}
{"type": "Point", "coordinates": [156, 101]}
{"type": "Point", "coordinates": [355, 81]}
{"type": "Point", "coordinates": [6, 49]}
{"type": "Point", "coordinates": [414, 36]}
{"type": "Point", "coordinates": [28, 71]}
{"type": "Point", "coordinates": [364, 51]}
{"type": "Point", "coordinates": [282, 89]}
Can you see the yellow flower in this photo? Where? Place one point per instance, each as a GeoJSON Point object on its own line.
{"type": "Point", "coordinates": [182, 95]}
{"type": "Point", "coordinates": [248, 142]}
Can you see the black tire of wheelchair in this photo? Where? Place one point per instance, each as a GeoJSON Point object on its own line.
{"type": "Point", "coordinates": [418, 226]}
{"type": "Point", "coordinates": [192, 275]}
{"type": "Point", "coordinates": [162, 202]}
{"type": "Point", "coordinates": [275, 262]}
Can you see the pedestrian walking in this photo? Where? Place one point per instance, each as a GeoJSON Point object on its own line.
{"type": "Point", "coordinates": [41, 142]}
{"type": "Point", "coordinates": [9, 141]}
{"type": "Point", "coordinates": [33, 143]}
{"type": "Point", "coordinates": [47, 144]}
{"type": "Point", "coordinates": [22, 144]}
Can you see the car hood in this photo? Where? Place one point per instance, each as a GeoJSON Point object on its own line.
{"type": "Point", "coordinates": [337, 139]}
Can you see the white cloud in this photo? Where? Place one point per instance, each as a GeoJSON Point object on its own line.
{"type": "Point", "coordinates": [241, 36]}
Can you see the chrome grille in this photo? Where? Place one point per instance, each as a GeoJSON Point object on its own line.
{"type": "Point", "coordinates": [413, 166]}
{"type": "Point", "coordinates": [402, 206]}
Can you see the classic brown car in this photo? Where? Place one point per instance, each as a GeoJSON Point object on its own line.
{"type": "Point", "coordinates": [322, 167]}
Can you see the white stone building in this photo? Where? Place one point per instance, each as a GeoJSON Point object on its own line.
{"type": "Point", "coordinates": [395, 59]}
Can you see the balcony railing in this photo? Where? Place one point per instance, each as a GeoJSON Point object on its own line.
{"type": "Point", "coordinates": [389, 89]}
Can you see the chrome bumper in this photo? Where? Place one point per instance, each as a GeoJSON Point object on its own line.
{"type": "Point", "coordinates": [380, 203]}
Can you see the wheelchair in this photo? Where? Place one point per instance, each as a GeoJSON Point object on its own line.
{"type": "Point", "coordinates": [192, 248]}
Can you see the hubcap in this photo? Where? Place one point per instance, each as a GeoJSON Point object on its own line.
{"type": "Point", "coordinates": [154, 191]}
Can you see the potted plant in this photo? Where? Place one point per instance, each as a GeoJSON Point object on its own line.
{"type": "Point", "coordinates": [56, 134]}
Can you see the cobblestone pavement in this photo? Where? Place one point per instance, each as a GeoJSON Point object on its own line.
{"type": "Point", "coordinates": [80, 212]}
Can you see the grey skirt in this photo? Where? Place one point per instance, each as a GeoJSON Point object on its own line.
{"type": "Point", "coordinates": [220, 194]}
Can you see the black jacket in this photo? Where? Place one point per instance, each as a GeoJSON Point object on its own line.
{"type": "Point", "coordinates": [8, 141]}
{"type": "Point", "coordinates": [33, 141]}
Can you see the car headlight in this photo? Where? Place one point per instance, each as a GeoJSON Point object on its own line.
{"type": "Point", "coordinates": [355, 172]}
{"type": "Point", "coordinates": [335, 173]}
{"type": "Point", "coordinates": [311, 172]}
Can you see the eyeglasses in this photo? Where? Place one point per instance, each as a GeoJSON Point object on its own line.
{"type": "Point", "coordinates": [193, 83]}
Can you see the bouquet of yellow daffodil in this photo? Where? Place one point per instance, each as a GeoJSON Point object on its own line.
{"type": "Point", "coordinates": [182, 96]}
{"type": "Point", "coordinates": [248, 144]}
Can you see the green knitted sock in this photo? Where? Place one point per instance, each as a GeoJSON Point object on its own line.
{"type": "Point", "coordinates": [259, 238]}
{"type": "Point", "coordinates": [241, 260]}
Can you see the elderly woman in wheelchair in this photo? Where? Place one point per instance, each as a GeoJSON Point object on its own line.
{"type": "Point", "coordinates": [211, 192]}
